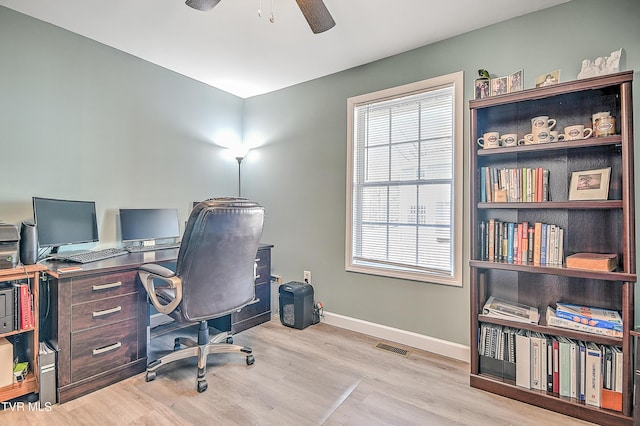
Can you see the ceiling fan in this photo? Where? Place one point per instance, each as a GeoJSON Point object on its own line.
{"type": "Point", "coordinates": [314, 11]}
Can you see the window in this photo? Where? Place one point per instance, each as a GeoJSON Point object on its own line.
{"type": "Point", "coordinates": [404, 181]}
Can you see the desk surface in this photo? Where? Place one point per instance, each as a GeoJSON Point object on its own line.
{"type": "Point", "coordinates": [118, 263]}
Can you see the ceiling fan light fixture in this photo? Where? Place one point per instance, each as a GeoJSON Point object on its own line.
{"type": "Point", "coordinates": [203, 5]}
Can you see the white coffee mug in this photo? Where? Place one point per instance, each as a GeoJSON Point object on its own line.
{"type": "Point", "coordinates": [528, 139]}
{"type": "Point", "coordinates": [542, 122]}
{"type": "Point", "coordinates": [510, 139]}
{"type": "Point", "coordinates": [489, 140]}
{"type": "Point", "coordinates": [555, 136]}
{"type": "Point", "coordinates": [543, 135]}
{"type": "Point", "coordinates": [576, 132]}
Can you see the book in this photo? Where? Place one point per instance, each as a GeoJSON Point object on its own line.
{"type": "Point", "coordinates": [593, 374]}
{"type": "Point", "coordinates": [565, 366]}
{"type": "Point", "coordinates": [556, 365]}
{"type": "Point", "coordinates": [588, 315]}
{"type": "Point", "coordinates": [523, 359]}
{"type": "Point", "coordinates": [538, 381]}
{"type": "Point", "coordinates": [543, 243]}
{"type": "Point", "coordinates": [512, 311]}
{"type": "Point", "coordinates": [593, 261]}
{"type": "Point", "coordinates": [537, 238]}
{"type": "Point", "coordinates": [554, 321]}
{"type": "Point", "coordinates": [582, 349]}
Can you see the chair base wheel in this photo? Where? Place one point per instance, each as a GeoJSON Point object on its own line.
{"type": "Point", "coordinates": [250, 359]}
{"type": "Point", "coordinates": [202, 386]}
{"type": "Point", "coordinates": [230, 340]}
{"type": "Point", "coordinates": [151, 375]}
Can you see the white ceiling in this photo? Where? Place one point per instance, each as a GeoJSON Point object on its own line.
{"type": "Point", "coordinates": [233, 49]}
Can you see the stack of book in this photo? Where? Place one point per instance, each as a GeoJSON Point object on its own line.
{"type": "Point", "coordinates": [521, 243]}
{"type": "Point", "coordinates": [590, 316]}
{"type": "Point", "coordinates": [513, 185]}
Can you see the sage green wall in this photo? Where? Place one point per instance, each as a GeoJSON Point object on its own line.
{"type": "Point", "coordinates": [81, 120]}
{"type": "Point", "coordinates": [300, 175]}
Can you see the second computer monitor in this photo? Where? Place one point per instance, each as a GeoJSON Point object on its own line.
{"type": "Point", "coordinates": [149, 224]}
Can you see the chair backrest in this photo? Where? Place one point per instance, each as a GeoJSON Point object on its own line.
{"type": "Point", "coordinates": [217, 256]}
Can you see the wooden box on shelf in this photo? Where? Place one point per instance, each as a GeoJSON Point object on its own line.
{"type": "Point", "coordinates": [588, 226]}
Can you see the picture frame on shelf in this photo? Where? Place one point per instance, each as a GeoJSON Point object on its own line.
{"type": "Point", "coordinates": [590, 185]}
{"type": "Point", "coordinates": [548, 79]}
{"type": "Point", "coordinates": [482, 88]}
{"type": "Point", "coordinates": [516, 80]}
{"type": "Point", "coordinates": [499, 85]}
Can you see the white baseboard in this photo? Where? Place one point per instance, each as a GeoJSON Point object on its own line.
{"type": "Point", "coordinates": [408, 338]}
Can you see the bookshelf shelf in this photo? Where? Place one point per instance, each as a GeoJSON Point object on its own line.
{"type": "Point", "coordinates": [595, 226]}
{"type": "Point", "coordinates": [614, 140]}
{"type": "Point", "coordinates": [556, 270]}
{"type": "Point", "coordinates": [28, 337]}
{"type": "Point", "coordinates": [546, 400]}
{"type": "Point", "coordinates": [561, 205]}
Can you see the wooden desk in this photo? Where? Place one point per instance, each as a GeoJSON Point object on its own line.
{"type": "Point", "coordinates": [100, 315]}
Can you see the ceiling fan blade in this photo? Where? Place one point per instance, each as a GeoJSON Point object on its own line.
{"type": "Point", "coordinates": [203, 5]}
{"type": "Point", "coordinates": [317, 15]}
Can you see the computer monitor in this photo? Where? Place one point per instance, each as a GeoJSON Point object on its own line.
{"type": "Point", "coordinates": [148, 224]}
{"type": "Point", "coordinates": [63, 222]}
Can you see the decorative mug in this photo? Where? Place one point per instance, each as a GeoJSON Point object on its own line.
{"type": "Point", "coordinates": [555, 136]}
{"type": "Point", "coordinates": [543, 135]}
{"type": "Point", "coordinates": [576, 132]}
{"type": "Point", "coordinates": [542, 122]}
{"type": "Point", "coordinates": [604, 126]}
{"type": "Point", "coordinates": [489, 140]}
{"type": "Point", "coordinates": [510, 139]}
{"type": "Point", "coordinates": [528, 139]}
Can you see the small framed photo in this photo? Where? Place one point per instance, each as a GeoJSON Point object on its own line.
{"type": "Point", "coordinates": [590, 185]}
{"type": "Point", "coordinates": [482, 88]}
{"type": "Point", "coordinates": [516, 81]}
{"type": "Point", "coordinates": [499, 86]}
{"type": "Point", "coordinates": [548, 79]}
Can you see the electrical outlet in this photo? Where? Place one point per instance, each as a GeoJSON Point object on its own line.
{"type": "Point", "coordinates": [307, 277]}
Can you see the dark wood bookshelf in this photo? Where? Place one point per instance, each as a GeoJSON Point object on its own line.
{"type": "Point", "coordinates": [598, 226]}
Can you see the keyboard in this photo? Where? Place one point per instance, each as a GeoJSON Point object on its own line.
{"type": "Point", "coordinates": [163, 246]}
{"type": "Point", "coordinates": [90, 256]}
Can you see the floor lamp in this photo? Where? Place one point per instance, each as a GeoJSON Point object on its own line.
{"type": "Point", "coordinates": [239, 152]}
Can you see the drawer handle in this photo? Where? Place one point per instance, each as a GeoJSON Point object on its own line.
{"type": "Point", "coordinates": [107, 311]}
{"type": "Point", "coordinates": [107, 348]}
{"type": "Point", "coordinates": [106, 286]}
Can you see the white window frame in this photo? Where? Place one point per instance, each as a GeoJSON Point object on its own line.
{"type": "Point", "coordinates": [455, 80]}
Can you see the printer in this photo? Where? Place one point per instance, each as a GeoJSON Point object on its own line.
{"type": "Point", "coordinates": [9, 252]}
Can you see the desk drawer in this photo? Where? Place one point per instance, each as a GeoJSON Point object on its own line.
{"type": "Point", "coordinates": [85, 289]}
{"type": "Point", "coordinates": [260, 307]}
{"type": "Point", "coordinates": [103, 312]}
{"type": "Point", "coordinates": [100, 349]}
{"type": "Point", "coordinates": [263, 258]}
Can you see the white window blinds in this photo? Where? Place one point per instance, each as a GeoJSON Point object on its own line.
{"type": "Point", "coordinates": [402, 183]}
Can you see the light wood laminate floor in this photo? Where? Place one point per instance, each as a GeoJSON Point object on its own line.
{"type": "Point", "coordinates": [322, 375]}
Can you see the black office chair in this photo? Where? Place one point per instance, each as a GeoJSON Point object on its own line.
{"type": "Point", "coordinates": [215, 275]}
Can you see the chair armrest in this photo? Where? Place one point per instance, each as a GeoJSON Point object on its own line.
{"type": "Point", "coordinates": [149, 272]}
{"type": "Point", "coordinates": [157, 270]}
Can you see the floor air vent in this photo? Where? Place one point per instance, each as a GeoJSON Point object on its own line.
{"type": "Point", "coordinates": [393, 349]}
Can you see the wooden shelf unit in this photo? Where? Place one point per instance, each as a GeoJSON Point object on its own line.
{"type": "Point", "coordinates": [30, 384]}
{"type": "Point", "coordinates": [589, 226]}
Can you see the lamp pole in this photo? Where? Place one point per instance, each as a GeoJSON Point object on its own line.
{"type": "Point", "coordinates": [239, 159]}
